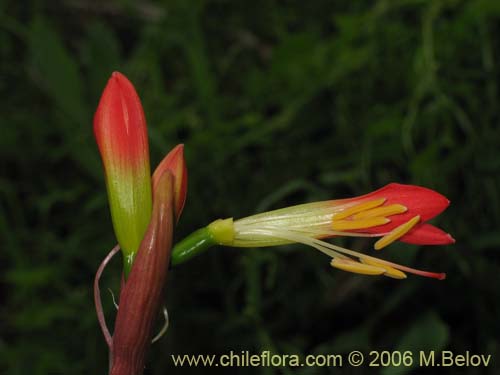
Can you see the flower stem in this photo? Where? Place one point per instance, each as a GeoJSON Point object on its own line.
{"type": "Point", "coordinates": [194, 244]}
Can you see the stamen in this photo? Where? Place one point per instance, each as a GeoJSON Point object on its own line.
{"type": "Point", "coordinates": [308, 241]}
{"type": "Point", "coordinates": [389, 271]}
{"type": "Point", "coordinates": [392, 209]}
{"type": "Point", "coordinates": [322, 233]}
{"type": "Point", "coordinates": [394, 273]}
{"type": "Point", "coordinates": [343, 225]}
{"type": "Point", "coordinates": [358, 208]}
{"type": "Point", "coordinates": [336, 251]}
{"type": "Point", "coordinates": [396, 233]}
{"type": "Point", "coordinates": [383, 263]}
{"type": "Point", "coordinates": [356, 267]}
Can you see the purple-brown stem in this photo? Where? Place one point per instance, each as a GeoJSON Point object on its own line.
{"type": "Point", "coordinates": [141, 295]}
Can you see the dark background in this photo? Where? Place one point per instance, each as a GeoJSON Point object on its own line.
{"type": "Point", "coordinates": [278, 103]}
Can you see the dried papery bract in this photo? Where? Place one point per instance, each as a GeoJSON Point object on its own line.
{"type": "Point", "coordinates": [141, 295]}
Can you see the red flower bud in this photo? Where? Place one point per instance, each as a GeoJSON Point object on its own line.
{"type": "Point", "coordinates": [121, 134]}
{"type": "Point", "coordinates": [174, 163]}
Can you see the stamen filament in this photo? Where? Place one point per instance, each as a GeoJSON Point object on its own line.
{"type": "Point", "coordinates": [392, 209]}
{"type": "Point", "coordinates": [330, 233]}
{"type": "Point", "coordinates": [335, 251]}
{"type": "Point", "coordinates": [358, 208]}
{"type": "Point", "coordinates": [396, 233]}
{"type": "Point", "coordinates": [309, 231]}
{"type": "Point", "coordinates": [343, 250]}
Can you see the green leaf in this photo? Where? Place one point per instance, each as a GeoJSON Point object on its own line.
{"type": "Point", "coordinates": [101, 54]}
{"type": "Point", "coordinates": [56, 71]}
{"type": "Point", "coordinates": [426, 334]}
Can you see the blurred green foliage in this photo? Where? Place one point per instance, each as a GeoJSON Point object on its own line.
{"type": "Point", "coordinates": [278, 103]}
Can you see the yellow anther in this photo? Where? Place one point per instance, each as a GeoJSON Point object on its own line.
{"type": "Point", "coordinates": [358, 208]}
{"type": "Point", "coordinates": [389, 271]}
{"type": "Point", "coordinates": [356, 267]}
{"type": "Point", "coordinates": [344, 225]}
{"type": "Point", "coordinates": [394, 273]}
{"type": "Point", "coordinates": [392, 209]}
{"type": "Point", "coordinates": [396, 233]}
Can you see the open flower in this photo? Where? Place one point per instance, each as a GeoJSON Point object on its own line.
{"type": "Point", "coordinates": [394, 212]}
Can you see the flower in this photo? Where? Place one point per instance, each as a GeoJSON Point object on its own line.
{"type": "Point", "coordinates": [394, 212]}
{"type": "Point", "coordinates": [121, 135]}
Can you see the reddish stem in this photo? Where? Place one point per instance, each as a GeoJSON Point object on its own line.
{"type": "Point", "coordinates": [97, 296]}
{"type": "Point", "coordinates": [141, 295]}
